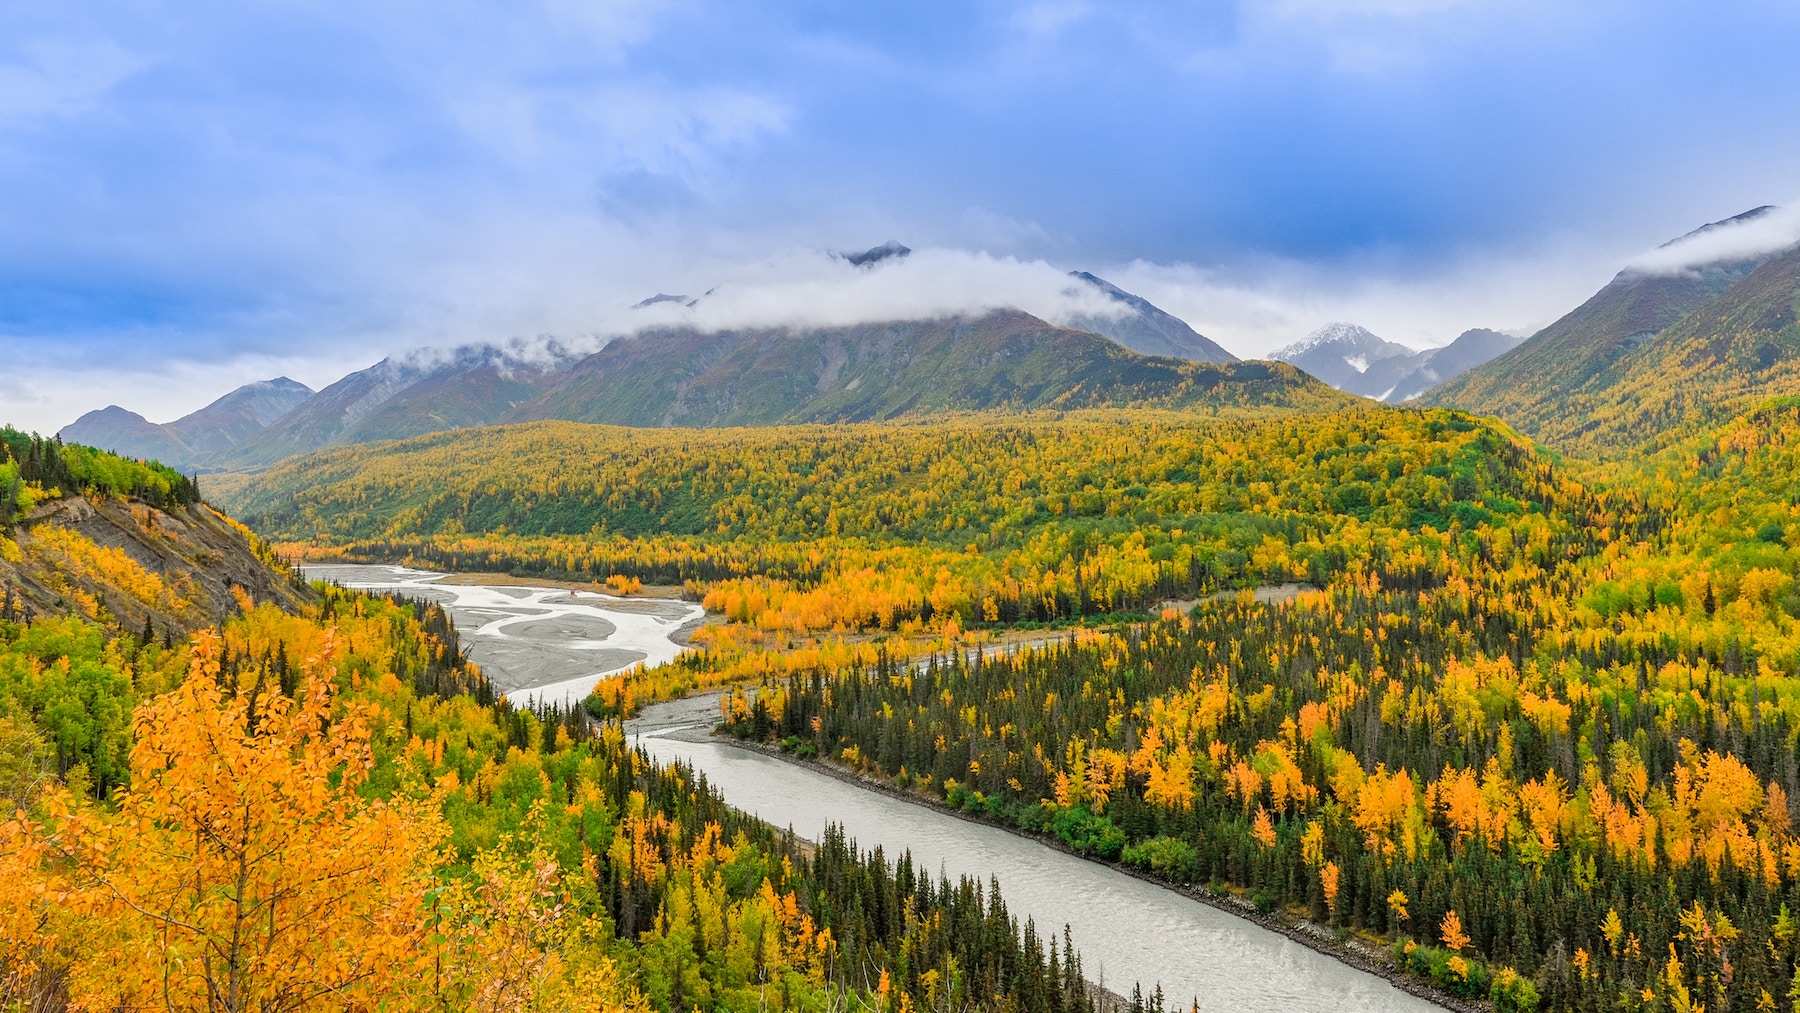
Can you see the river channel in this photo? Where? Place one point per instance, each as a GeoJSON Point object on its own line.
{"type": "Point", "coordinates": [536, 644]}
{"type": "Point", "coordinates": [554, 644]}
{"type": "Point", "coordinates": [1126, 930]}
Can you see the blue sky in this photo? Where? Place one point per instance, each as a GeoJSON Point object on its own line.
{"type": "Point", "coordinates": [199, 194]}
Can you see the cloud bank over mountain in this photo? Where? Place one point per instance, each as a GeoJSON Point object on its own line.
{"type": "Point", "coordinates": [1753, 234]}
{"type": "Point", "coordinates": [198, 188]}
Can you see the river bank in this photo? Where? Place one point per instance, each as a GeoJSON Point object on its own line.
{"type": "Point", "coordinates": [1212, 947]}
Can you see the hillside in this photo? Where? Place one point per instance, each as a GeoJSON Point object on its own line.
{"type": "Point", "coordinates": [121, 543]}
{"type": "Point", "coordinates": [1547, 385]}
{"type": "Point", "coordinates": [397, 398]}
{"type": "Point", "coordinates": [1596, 383]}
{"type": "Point", "coordinates": [1001, 360]}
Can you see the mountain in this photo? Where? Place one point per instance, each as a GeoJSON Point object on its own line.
{"type": "Point", "coordinates": [129, 434]}
{"type": "Point", "coordinates": [1432, 367]}
{"type": "Point", "coordinates": [1352, 359]}
{"type": "Point", "coordinates": [240, 414]}
{"type": "Point", "coordinates": [396, 398]}
{"type": "Point", "coordinates": [1536, 384]}
{"type": "Point", "coordinates": [1731, 354]}
{"type": "Point", "coordinates": [1342, 356]}
{"type": "Point", "coordinates": [186, 443]}
{"type": "Point", "coordinates": [875, 255]}
{"type": "Point", "coordinates": [1147, 329]}
{"type": "Point", "coordinates": [682, 376]}
{"type": "Point", "coordinates": [1002, 359]}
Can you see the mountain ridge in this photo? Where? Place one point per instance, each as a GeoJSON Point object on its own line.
{"type": "Point", "coordinates": [187, 442]}
{"type": "Point", "coordinates": [684, 376]}
{"type": "Point", "coordinates": [1147, 329]}
{"type": "Point", "coordinates": [1567, 383]}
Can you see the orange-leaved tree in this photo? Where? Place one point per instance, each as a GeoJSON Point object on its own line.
{"type": "Point", "coordinates": [242, 870]}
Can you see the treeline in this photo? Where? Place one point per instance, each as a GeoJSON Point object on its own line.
{"type": "Point", "coordinates": [810, 530]}
{"type": "Point", "coordinates": [1558, 770]}
{"type": "Point", "coordinates": [447, 851]}
{"type": "Point", "coordinates": [32, 468]}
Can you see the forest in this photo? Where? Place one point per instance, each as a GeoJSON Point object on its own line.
{"type": "Point", "coordinates": [1553, 765]}
{"type": "Point", "coordinates": [1527, 721]}
{"type": "Point", "coordinates": [328, 808]}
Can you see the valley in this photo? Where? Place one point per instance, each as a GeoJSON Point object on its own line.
{"type": "Point", "coordinates": [1488, 696]}
{"type": "Point", "coordinates": [537, 646]}
{"type": "Point", "coordinates": [1128, 931]}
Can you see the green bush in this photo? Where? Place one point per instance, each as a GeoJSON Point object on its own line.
{"type": "Point", "coordinates": [1087, 833]}
{"type": "Point", "coordinates": [1168, 857]}
{"type": "Point", "coordinates": [1512, 992]}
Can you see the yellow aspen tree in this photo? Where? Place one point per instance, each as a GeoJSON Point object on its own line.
{"type": "Point", "coordinates": [1450, 930]}
{"type": "Point", "coordinates": [242, 870]}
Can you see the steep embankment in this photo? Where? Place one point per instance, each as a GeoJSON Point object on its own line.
{"type": "Point", "coordinates": [122, 542]}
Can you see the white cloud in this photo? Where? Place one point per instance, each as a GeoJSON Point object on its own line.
{"type": "Point", "coordinates": [524, 283]}
{"type": "Point", "coordinates": [815, 289]}
{"type": "Point", "coordinates": [1256, 308]}
{"type": "Point", "coordinates": [1776, 229]}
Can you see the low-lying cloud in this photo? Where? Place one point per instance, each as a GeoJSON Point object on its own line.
{"type": "Point", "coordinates": [816, 289]}
{"type": "Point", "coordinates": [1775, 229]}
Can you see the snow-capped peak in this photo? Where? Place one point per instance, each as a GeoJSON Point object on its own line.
{"type": "Point", "coordinates": [1352, 340]}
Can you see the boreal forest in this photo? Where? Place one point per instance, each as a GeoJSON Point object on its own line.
{"type": "Point", "coordinates": [1516, 708]}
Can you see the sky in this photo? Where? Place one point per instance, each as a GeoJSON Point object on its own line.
{"type": "Point", "coordinates": [197, 195]}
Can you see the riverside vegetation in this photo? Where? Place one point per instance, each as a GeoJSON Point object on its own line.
{"type": "Point", "coordinates": [1534, 724]}
{"type": "Point", "coordinates": [324, 807]}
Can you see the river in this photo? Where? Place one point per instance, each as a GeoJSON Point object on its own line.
{"type": "Point", "coordinates": [1126, 930]}
{"type": "Point", "coordinates": [554, 644]}
{"type": "Point", "coordinates": [536, 644]}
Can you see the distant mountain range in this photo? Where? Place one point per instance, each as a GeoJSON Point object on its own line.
{"type": "Point", "coordinates": [682, 376]}
{"type": "Point", "coordinates": [192, 439]}
{"type": "Point", "coordinates": [1651, 355]}
{"type": "Point", "coordinates": [1352, 359]}
{"type": "Point", "coordinates": [1002, 359]}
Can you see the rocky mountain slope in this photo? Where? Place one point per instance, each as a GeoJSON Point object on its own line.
{"type": "Point", "coordinates": [1146, 328]}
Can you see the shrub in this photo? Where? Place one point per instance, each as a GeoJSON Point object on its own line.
{"type": "Point", "coordinates": [1168, 857]}
{"type": "Point", "coordinates": [1087, 833]}
{"type": "Point", "coordinates": [1512, 992]}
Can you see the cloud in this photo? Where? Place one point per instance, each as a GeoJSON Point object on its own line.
{"type": "Point", "coordinates": [815, 289]}
{"type": "Point", "coordinates": [1253, 307]}
{"type": "Point", "coordinates": [1738, 239]}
